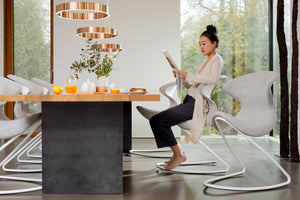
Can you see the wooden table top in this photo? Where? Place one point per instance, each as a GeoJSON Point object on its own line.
{"type": "Point", "coordinates": [82, 97]}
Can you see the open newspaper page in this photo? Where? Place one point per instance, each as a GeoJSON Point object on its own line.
{"type": "Point", "coordinates": [175, 69]}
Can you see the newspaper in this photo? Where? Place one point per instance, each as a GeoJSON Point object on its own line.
{"type": "Point", "coordinates": [175, 69]}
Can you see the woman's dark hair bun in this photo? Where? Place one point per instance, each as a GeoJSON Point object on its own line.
{"type": "Point", "coordinates": [211, 33]}
{"type": "Point", "coordinates": [212, 29]}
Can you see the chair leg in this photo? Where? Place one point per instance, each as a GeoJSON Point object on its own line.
{"type": "Point", "coordinates": [23, 149]}
{"type": "Point", "coordinates": [20, 148]}
{"type": "Point", "coordinates": [210, 182]}
{"type": "Point", "coordinates": [141, 152]}
{"type": "Point", "coordinates": [15, 191]}
{"type": "Point", "coordinates": [30, 145]}
{"type": "Point", "coordinates": [176, 170]}
{"type": "Point", "coordinates": [17, 177]}
{"type": "Point", "coordinates": [37, 146]}
{"type": "Point", "coordinates": [16, 148]}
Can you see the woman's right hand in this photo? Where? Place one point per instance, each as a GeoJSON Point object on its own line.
{"type": "Point", "coordinates": [174, 74]}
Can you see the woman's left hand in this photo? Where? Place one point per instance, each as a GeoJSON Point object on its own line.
{"type": "Point", "coordinates": [182, 74]}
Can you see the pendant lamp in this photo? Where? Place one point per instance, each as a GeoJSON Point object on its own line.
{"type": "Point", "coordinates": [108, 47]}
{"type": "Point", "coordinates": [96, 32]}
{"type": "Point", "coordinates": [82, 10]}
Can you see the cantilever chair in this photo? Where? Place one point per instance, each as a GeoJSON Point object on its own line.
{"type": "Point", "coordinates": [34, 149]}
{"type": "Point", "coordinates": [38, 86]}
{"type": "Point", "coordinates": [205, 91]}
{"type": "Point", "coordinates": [22, 110]}
{"type": "Point", "coordinates": [257, 117]}
{"type": "Point", "coordinates": [12, 129]}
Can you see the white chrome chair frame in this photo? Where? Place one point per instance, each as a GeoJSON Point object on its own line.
{"type": "Point", "coordinates": [12, 129]}
{"type": "Point", "coordinates": [218, 158]}
{"type": "Point", "coordinates": [210, 182]}
{"type": "Point", "coordinates": [30, 145]}
{"type": "Point", "coordinates": [39, 146]}
{"type": "Point", "coordinates": [22, 109]}
{"type": "Point", "coordinates": [19, 149]}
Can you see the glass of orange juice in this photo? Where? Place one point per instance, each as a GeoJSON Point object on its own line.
{"type": "Point", "coordinates": [115, 91]}
{"type": "Point", "coordinates": [71, 85]}
{"type": "Point", "coordinates": [71, 89]}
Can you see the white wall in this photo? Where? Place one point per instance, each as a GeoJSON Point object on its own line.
{"type": "Point", "coordinates": [145, 27]}
{"type": "Point", "coordinates": [1, 39]}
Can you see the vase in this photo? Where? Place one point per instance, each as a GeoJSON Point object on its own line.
{"type": "Point", "coordinates": [102, 84]}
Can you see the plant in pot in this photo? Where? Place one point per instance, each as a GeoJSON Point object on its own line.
{"type": "Point", "coordinates": [93, 61]}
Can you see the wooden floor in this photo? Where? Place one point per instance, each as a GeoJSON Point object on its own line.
{"type": "Point", "coordinates": [143, 182]}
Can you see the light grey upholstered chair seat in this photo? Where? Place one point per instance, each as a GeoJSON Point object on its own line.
{"type": "Point", "coordinates": [255, 128]}
{"type": "Point", "coordinates": [205, 91]}
{"type": "Point", "coordinates": [257, 117]}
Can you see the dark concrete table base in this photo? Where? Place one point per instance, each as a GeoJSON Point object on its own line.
{"type": "Point", "coordinates": [83, 146]}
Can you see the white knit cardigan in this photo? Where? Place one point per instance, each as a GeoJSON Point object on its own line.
{"type": "Point", "coordinates": [209, 75]}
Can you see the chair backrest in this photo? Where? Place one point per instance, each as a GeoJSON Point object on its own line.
{"type": "Point", "coordinates": [7, 87]}
{"type": "Point", "coordinates": [22, 109]}
{"type": "Point", "coordinates": [33, 87]}
{"type": "Point", "coordinates": [43, 83]}
{"type": "Point", "coordinates": [168, 91]}
{"type": "Point", "coordinates": [257, 115]}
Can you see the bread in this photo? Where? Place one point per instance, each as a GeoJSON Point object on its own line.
{"type": "Point", "coordinates": [137, 90]}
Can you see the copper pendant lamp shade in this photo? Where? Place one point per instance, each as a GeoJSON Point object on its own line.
{"type": "Point", "coordinates": [82, 10]}
{"type": "Point", "coordinates": [97, 32]}
{"type": "Point", "coordinates": [108, 47]}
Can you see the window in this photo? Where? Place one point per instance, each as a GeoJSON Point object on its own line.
{"type": "Point", "coordinates": [32, 39]}
{"type": "Point", "coordinates": [27, 40]}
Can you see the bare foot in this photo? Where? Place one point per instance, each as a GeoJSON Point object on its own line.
{"type": "Point", "coordinates": [173, 157]}
{"type": "Point", "coordinates": [175, 162]}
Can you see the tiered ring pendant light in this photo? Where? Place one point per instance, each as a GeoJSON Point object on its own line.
{"type": "Point", "coordinates": [90, 11]}
{"type": "Point", "coordinates": [82, 10]}
{"type": "Point", "coordinates": [97, 32]}
{"type": "Point", "coordinates": [108, 47]}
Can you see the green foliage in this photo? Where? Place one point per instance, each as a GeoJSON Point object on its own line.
{"type": "Point", "coordinates": [244, 40]}
{"type": "Point", "coordinates": [210, 130]}
{"type": "Point", "coordinates": [92, 62]}
{"type": "Point", "coordinates": [32, 39]}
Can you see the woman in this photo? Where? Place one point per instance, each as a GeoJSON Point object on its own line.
{"type": "Point", "coordinates": [208, 73]}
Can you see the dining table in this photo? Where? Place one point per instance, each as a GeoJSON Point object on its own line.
{"type": "Point", "coordinates": [84, 136]}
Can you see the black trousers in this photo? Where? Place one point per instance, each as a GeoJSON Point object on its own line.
{"type": "Point", "coordinates": [162, 122]}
